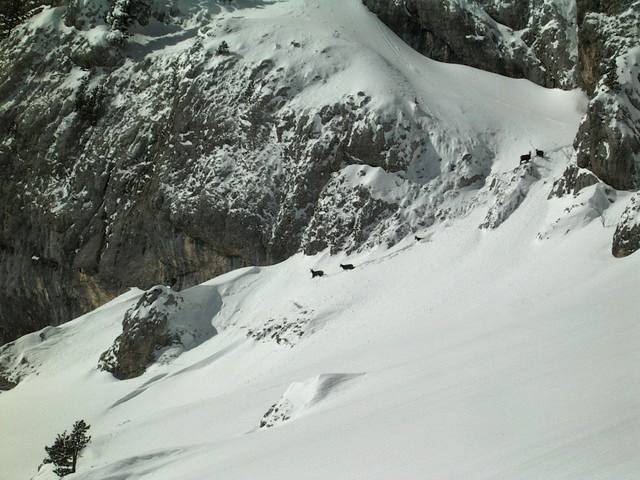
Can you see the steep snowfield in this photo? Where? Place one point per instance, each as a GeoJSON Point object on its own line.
{"type": "Point", "coordinates": [471, 354]}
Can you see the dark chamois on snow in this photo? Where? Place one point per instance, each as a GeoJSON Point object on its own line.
{"type": "Point", "coordinates": [316, 273]}
{"type": "Point", "coordinates": [347, 266]}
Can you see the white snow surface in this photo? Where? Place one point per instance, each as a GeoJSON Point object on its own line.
{"type": "Point", "coordinates": [479, 354]}
{"type": "Point", "coordinates": [472, 354]}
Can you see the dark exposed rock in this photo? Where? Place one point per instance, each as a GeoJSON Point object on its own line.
{"type": "Point", "coordinates": [5, 383]}
{"type": "Point", "coordinates": [609, 147]}
{"type": "Point", "coordinates": [572, 181]}
{"type": "Point", "coordinates": [145, 331]}
{"type": "Point", "coordinates": [626, 239]}
{"type": "Point", "coordinates": [608, 141]}
{"type": "Point", "coordinates": [278, 413]}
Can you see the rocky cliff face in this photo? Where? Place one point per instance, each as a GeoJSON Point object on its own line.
{"type": "Point", "coordinates": [609, 69]}
{"type": "Point", "coordinates": [128, 165]}
{"type": "Point", "coordinates": [626, 239]}
{"type": "Point", "coordinates": [137, 153]}
{"type": "Point", "coordinates": [533, 39]}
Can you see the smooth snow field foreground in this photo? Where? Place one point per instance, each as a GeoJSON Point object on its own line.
{"type": "Point", "coordinates": [470, 355]}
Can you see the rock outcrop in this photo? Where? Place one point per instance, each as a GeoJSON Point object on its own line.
{"type": "Point", "coordinates": [572, 181]}
{"type": "Point", "coordinates": [508, 191]}
{"type": "Point", "coordinates": [626, 239]}
{"type": "Point", "coordinates": [145, 332]}
{"type": "Point", "coordinates": [608, 141]}
{"type": "Point", "coordinates": [159, 327]}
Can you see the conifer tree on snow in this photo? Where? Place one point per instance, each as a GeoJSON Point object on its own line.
{"type": "Point", "coordinates": [66, 448]}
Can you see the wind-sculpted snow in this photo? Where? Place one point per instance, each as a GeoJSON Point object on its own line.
{"type": "Point", "coordinates": [19, 359]}
{"type": "Point", "coordinates": [300, 397]}
{"type": "Point", "coordinates": [588, 205]}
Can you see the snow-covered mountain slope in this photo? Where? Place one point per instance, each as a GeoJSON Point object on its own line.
{"type": "Point", "coordinates": [163, 161]}
{"type": "Point", "coordinates": [500, 343]}
{"type": "Point", "coordinates": [476, 354]}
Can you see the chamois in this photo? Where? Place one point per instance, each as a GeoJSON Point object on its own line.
{"type": "Point", "coordinates": [316, 273]}
{"type": "Point", "coordinates": [348, 266]}
{"type": "Point", "coordinates": [525, 158]}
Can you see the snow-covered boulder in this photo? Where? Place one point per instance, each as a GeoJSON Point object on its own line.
{"type": "Point", "coordinates": [626, 239]}
{"type": "Point", "coordinates": [302, 396]}
{"type": "Point", "coordinates": [572, 181]}
{"type": "Point", "coordinates": [145, 331]}
{"type": "Point", "coordinates": [160, 326]}
{"type": "Point", "coordinates": [22, 357]}
{"type": "Point", "coordinates": [568, 213]}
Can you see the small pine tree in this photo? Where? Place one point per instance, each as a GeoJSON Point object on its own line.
{"type": "Point", "coordinates": [67, 447]}
{"type": "Point", "coordinates": [223, 48]}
